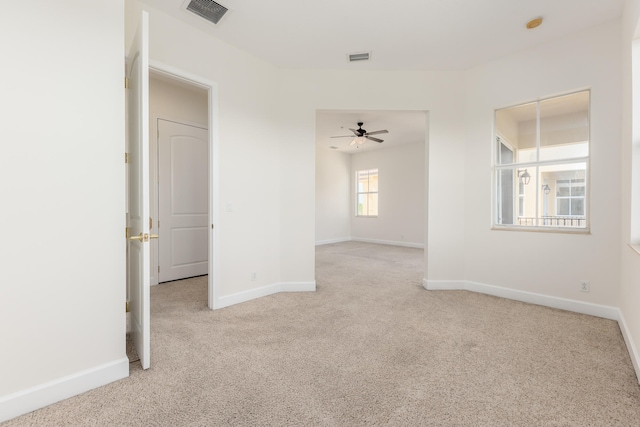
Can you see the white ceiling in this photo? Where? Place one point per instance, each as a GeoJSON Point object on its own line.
{"type": "Point", "coordinates": [405, 127]}
{"type": "Point", "coordinates": [400, 34]}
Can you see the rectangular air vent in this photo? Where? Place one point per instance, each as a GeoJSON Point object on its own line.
{"type": "Point", "coordinates": [208, 9]}
{"type": "Point", "coordinates": [364, 56]}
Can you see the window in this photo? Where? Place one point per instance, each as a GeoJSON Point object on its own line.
{"type": "Point", "coordinates": [367, 193]}
{"type": "Point", "coordinates": [541, 162]}
{"type": "Point", "coordinates": [570, 197]}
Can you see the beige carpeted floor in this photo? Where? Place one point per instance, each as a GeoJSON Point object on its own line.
{"type": "Point", "coordinates": [370, 347]}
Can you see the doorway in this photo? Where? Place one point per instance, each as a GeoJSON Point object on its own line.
{"type": "Point", "coordinates": [186, 107]}
{"type": "Point", "coordinates": [401, 161]}
{"type": "Point", "coordinates": [179, 167]}
{"type": "Point", "coordinates": [398, 153]}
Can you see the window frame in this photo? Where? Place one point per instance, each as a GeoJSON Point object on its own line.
{"type": "Point", "coordinates": [534, 166]}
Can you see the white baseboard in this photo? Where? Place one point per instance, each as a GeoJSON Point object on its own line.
{"type": "Point", "coordinates": [389, 242]}
{"type": "Point", "coordinates": [597, 310]}
{"type": "Point", "coordinates": [330, 241]}
{"type": "Point", "coordinates": [443, 285]}
{"type": "Point", "coordinates": [275, 288]}
{"type": "Point", "coordinates": [631, 346]}
{"type": "Point", "coordinates": [22, 402]}
{"type": "Point", "coordinates": [380, 242]}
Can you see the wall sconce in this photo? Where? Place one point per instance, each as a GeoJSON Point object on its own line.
{"type": "Point", "coordinates": [524, 176]}
{"type": "Point", "coordinates": [546, 188]}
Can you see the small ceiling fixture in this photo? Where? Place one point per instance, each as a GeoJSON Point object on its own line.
{"type": "Point", "coordinates": [534, 23]}
{"type": "Point", "coordinates": [207, 9]}
{"type": "Point", "coordinates": [363, 56]}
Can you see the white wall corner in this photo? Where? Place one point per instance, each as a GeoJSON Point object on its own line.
{"type": "Point", "coordinates": [23, 402]}
{"type": "Point", "coordinates": [631, 346]}
{"type": "Point", "coordinates": [443, 285]}
{"type": "Point", "coordinates": [264, 291]}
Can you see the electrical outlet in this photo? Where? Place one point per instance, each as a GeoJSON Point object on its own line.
{"type": "Point", "coordinates": [584, 286]}
{"type": "Point", "coordinates": [253, 277]}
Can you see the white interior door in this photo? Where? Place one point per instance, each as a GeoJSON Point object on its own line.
{"type": "Point", "coordinates": [183, 199]}
{"type": "Point", "coordinates": [138, 215]}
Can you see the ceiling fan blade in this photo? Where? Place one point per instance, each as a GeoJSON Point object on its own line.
{"type": "Point", "coordinates": [376, 132]}
{"type": "Point", "coordinates": [374, 139]}
{"type": "Point", "coordinates": [342, 136]}
{"type": "Point", "coordinates": [355, 132]}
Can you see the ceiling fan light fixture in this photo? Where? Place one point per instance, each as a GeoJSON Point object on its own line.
{"type": "Point", "coordinates": [360, 135]}
{"type": "Point", "coordinates": [362, 56]}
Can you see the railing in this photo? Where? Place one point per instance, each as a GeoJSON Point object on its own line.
{"type": "Point", "coordinates": [554, 221]}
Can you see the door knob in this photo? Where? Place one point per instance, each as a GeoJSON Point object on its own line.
{"type": "Point", "coordinates": [139, 237]}
{"type": "Point", "coordinates": [144, 237]}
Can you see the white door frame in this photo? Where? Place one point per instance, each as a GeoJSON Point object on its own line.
{"type": "Point", "coordinates": [212, 89]}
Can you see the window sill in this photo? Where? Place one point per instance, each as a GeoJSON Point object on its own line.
{"type": "Point", "coordinates": [584, 231]}
{"type": "Point", "coordinates": [366, 216]}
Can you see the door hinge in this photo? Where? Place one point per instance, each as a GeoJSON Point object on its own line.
{"type": "Point", "coordinates": [127, 232]}
{"type": "Point", "coordinates": [127, 307]}
{"type": "Point", "coordinates": [158, 223]}
{"type": "Point", "coordinates": [126, 157]}
{"type": "Point", "coordinates": [126, 82]}
{"type": "Point", "coordinates": [150, 223]}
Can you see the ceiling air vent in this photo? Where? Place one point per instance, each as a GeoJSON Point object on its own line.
{"type": "Point", "coordinates": [364, 56]}
{"type": "Point", "coordinates": [208, 9]}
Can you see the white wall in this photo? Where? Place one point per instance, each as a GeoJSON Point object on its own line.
{"type": "Point", "coordinates": [256, 155]}
{"type": "Point", "coordinates": [333, 196]}
{"type": "Point", "coordinates": [249, 150]}
{"type": "Point", "coordinates": [174, 101]}
{"type": "Point", "coordinates": [62, 252]}
{"type": "Point", "coordinates": [548, 263]}
{"type": "Point", "coordinates": [177, 101]}
{"type": "Point", "coordinates": [630, 180]}
{"type": "Point", "coordinates": [401, 181]}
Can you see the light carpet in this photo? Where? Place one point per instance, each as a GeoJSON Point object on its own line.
{"type": "Point", "coordinates": [370, 347]}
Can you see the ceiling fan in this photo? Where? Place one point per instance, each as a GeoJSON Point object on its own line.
{"type": "Point", "coordinates": [362, 134]}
